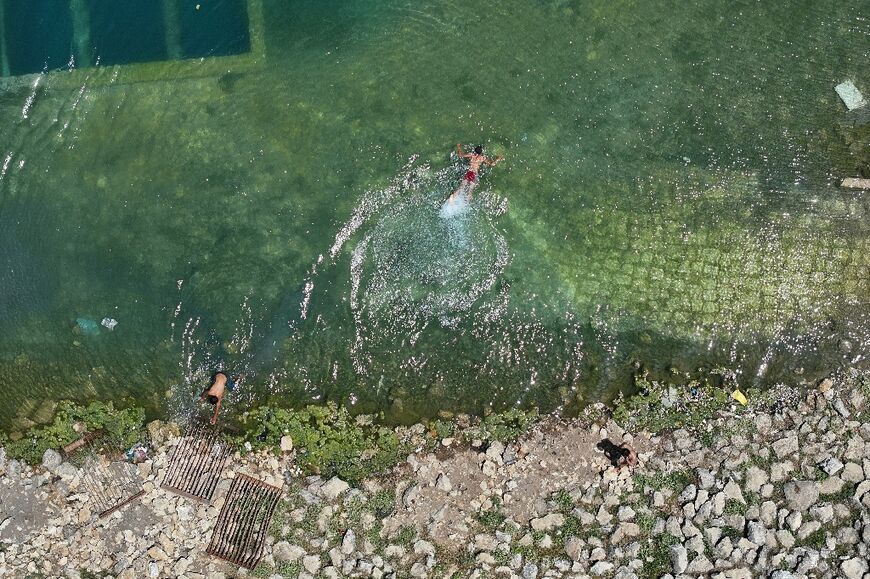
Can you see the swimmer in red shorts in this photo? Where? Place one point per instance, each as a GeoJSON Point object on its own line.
{"type": "Point", "coordinates": [469, 181]}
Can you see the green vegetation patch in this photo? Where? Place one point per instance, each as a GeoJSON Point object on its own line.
{"type": "Point", "coordinates": [123, 427]}
{"type": "Point", "coordinates": [329, 441]}
{"type": "Point", "coordinates": [493, 518]}
{"type": "Point", "coordinates": [656, 556]}
{"type": "Point", "coordinates": [676, 480]}
{"type": "Point", "coordinates": [660, 406]}
{"type": "Point", "coordinates": [815, 540]}
{"type": "Point", "coordinates": [504, 426]}
{"type": "Point", "coordinates": [735, 507]}
{"type": "Point", "coordinates": [563, 500]}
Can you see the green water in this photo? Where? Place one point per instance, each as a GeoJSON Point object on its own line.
{"type": "Point", "coordinates": [668, 197]}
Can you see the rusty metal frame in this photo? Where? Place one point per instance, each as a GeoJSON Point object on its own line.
{"type": "Point", "coordinates": [108, 479]}
{"type": "Point", "coordinates": [243, 524]}
{"type": "Point", "coordinates": [196, 463]}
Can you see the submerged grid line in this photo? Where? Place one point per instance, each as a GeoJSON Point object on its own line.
{"type": "Point", "coordinates": [196, 463]}
{"type": "Point", "coordinates": [242, 526]}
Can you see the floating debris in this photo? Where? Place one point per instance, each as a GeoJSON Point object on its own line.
{"type": "Point", "coordinates": [87, 326]}
{"type": "Point", "coordinates": [109, 323]}
{"type": "Point", "coordinates": [739, 397]}
{"type": "Point", "coordinates": [850, 95]}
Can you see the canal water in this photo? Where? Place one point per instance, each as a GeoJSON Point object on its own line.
{"type": "Point", "coordinates": [258, 186]}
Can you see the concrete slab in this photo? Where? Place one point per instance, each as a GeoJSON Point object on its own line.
{"type": "Point", "coordinates": [850, 95]}
{"type": "Point", "coordinates": [855, 183]}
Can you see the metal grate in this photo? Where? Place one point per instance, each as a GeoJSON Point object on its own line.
{"type": "Point", "coordinates": [243, 523]}
{"type": "Point", "coordinates": [108, 479]}
{"type": "Point", "coordinates": [197, 462]}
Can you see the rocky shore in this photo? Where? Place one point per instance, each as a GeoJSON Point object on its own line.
{"type": "Point", "coordinates": [779, 488]}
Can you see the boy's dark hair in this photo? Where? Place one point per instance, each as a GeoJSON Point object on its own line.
{"type": "Point", "coordinates": [478, 150]}
{"type": "Point", "coordinates": [212, 398]}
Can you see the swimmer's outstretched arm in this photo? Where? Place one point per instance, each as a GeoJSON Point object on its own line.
{"type": "Point", "coordinates": [460, 153]}
{"type": "Point", "coordinates": [493, 162]}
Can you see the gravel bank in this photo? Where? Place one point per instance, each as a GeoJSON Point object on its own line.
{"type": "Point", "coordinates": [781, 489]}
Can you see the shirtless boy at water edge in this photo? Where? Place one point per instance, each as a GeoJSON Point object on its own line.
{"type": "Point", "coordinates": [469, 181]}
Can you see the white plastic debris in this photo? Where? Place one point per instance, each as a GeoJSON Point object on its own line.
{"type": "Point", "coordinates": [109, 323]}
{"type": "Point", "coordinates": [850, 95]}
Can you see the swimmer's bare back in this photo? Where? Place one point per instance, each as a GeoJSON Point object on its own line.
{"type": "Point", "coordinates": [469, 180]}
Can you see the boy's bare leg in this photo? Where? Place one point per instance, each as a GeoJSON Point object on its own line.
{"type": "Point", "coordinates": [470, 186]}
{"type": "Point", "coordinates": [459, 191]}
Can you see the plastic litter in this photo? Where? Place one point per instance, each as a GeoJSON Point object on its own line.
{"type": "Point", "coordinates": [739, 397]}
{"type": "Point", "coordinates": [109, 323]}
{"type": "Point", "coordinates": [137, 453]}
{"type": "Point", "coordinates": [87, 326]}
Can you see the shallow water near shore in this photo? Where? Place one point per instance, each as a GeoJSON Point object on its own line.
{"type": "Point", "coordinates": [668, 197]}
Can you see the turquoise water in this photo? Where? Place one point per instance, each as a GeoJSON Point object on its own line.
{"type": "Point", "coordinates": [668, 198]}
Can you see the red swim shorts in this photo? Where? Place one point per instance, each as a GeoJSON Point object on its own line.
{"type": "Point", "coordinates": [470, 176]}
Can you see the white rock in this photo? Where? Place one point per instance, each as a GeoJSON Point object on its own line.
{"type": "Point", "coordinates": [801, 495]}
{"type": "Point", "coordinates": [688, 494]}
{"type": "Point", "coordinates": [348, 543]}
{"type": "Point", "coordinates": [311, 563]}
{"type": "Point", "coordinates": [807, 529]}
{"type": "Point", "coordinates": [755, 478]}
{"type": "Point", "coordinates": [286, 443]}
{"type": "Point", "coordinates": [495, 451]}
{"type": "Point", "coordinates": [854, 568]}
{"type": "Point", "coordinates": [574, 548]}
{"type": "Point", "coordinates": [786, 447]}
{"type": "Point", "coordinates": [780, 470]}
{"type": "Point", "coordinates": [530, 571]}
{"type": "Point", "coordinates": [548, 522]}
{"type": "Point", "coordinates": [679, 558]}
{"type": "Point", "coordinates": [852, 472]}
{"type": "Point", "coordinates": [706, 480]}
{"type": "Point", "coordinates": [696, 544]}
{"type": "Point", "coordinates": [601, 568]}
{"type": "Point", "coordinates": [66, 471]}
{"type": "Point", "coordinates": [699, 566]}
{"type": "Point", "coordinates": [732, 491]}
{"type": "Point", "coordinates": [794, 520]}
{"type": "Point", "coordinates": [785, 539]}
{"type": "Point", "coordinates": [51, 459]}
{"type": "Point", "coordinates": [424, 548]}
{"type": "Point", "coordinates": [443, 483]}
{"type": "Point", "coordinates": [757, 533]}
{"type": "Point", "coordinates": [485, 542]}
{"type": "Point", "coordinates": [823, 513]}
{"type": "Point", "coordinates": [284, 551]}
{"type": "Point", "coordinates": [334, 487]}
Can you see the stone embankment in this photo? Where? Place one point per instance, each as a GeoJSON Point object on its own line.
{"type": "Point", "coordinates": [779, 490]}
